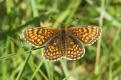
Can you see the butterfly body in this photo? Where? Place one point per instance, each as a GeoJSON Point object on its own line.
{"type": "Point", "coordinates": [63, 42]}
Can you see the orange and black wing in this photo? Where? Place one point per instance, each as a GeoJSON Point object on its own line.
{"type": "Point", "coordinates": [53, 50]}
{"type": "Point", "coordinates": [87, 34]}
{"type": "Point", "coordinates": [40, 35]}
{"type": "Point", "coordinates": [74, 49]}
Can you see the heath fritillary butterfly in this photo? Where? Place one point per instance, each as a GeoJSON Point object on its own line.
{"type": "Point", "coordinates": [64, 42]}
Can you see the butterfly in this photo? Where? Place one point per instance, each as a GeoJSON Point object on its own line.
{"type": "Point", "coordinates": [64, 42]}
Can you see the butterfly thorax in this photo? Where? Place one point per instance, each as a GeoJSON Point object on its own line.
{"type": "Point", "coordinates": [63, 38]}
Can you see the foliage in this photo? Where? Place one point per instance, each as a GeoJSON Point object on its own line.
{"type": "Point", "coordinates": [20, 61]}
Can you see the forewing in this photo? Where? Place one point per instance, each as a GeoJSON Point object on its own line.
{"type": "Point", "coordinates": [87, 34]}
{"type": "Point", "coordinates": [74, 48]}
{"type": "Point", "coordinates": [39, 36]}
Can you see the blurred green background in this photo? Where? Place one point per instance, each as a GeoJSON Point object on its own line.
{"type": "Point", "coordinates": [20, 61]}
